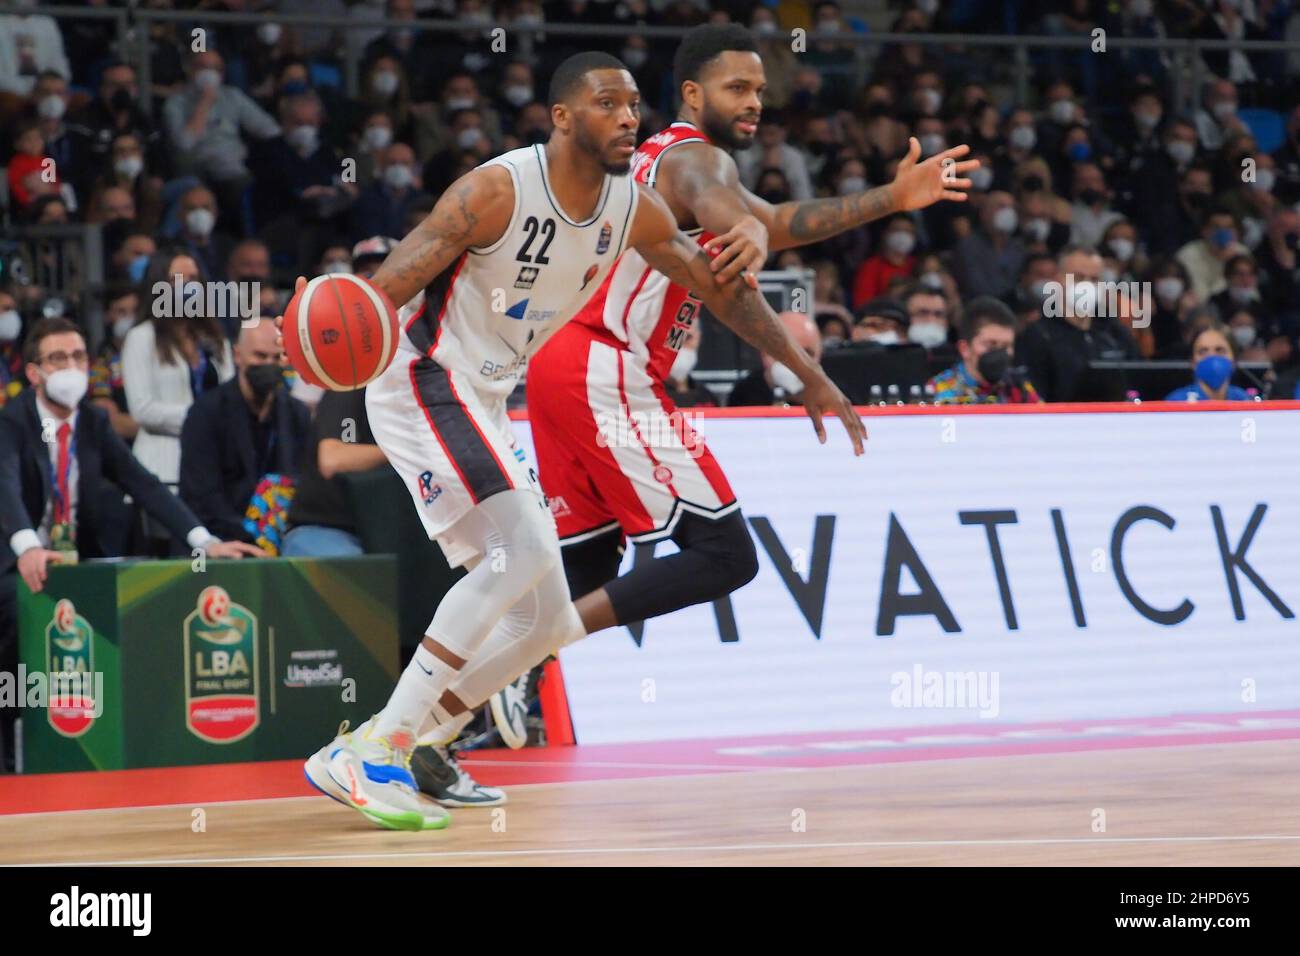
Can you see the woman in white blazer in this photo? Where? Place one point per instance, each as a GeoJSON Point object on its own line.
{"type": "Point", "coordinates": [167, 363]}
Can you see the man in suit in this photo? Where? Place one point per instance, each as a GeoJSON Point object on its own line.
{"type": "Point", "coordinates": [60, 461]}
{"type": "Point", "coordinates": [236, 434]}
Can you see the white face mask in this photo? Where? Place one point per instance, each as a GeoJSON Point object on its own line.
{"type": "Point", "coordinates": [460, 103]}
{"type": "Point", "coordinates": [518, 95]}
{"type": "Point", "coordinates": [634, 57]}
{"type": "Point", "coordinates": [469, 137]}
{"type": "Point", "coordinates": [269, 33]}
{"type": "Point", "coordinates": [338, 265]}
{"type": "Point", "coordinates": [1245, 336]}
{"type": "Point", "coordinates": [1023, 137]}
{"type": "Point", "coordinates": [51, 107]}
{"type": "Point", "coordinates": [207, 79]}
{"type": "Point", "coordinates": [67, 386]}
{"type": "Point", "coordinates": [1180, 151]}
{"type": "Point", "coordinates": [1062, 111]}
{"type": "Point", "coordinates": [1242, 295]}
{"type": "Point", "coordinates": [378, 137]}
{"type": "Point", "coordinates": [384, 82]}
{"type": "Point", "coordinates": [122, 326]}
{"type": "Point", "coordinates": [930, 100]}
{"type": "Point", "coordinates": [1005, 220]}
{"type": "Point", "coordinates": [1264, 180]}
{"type": "Point", "coordinates": [303, 139]}
{"type": "Point", "coordinates": [1169, 288]}
{"type": "Point", "coordinates": [11, 325]}
{"type": "Point", "coordinates": [900, 242]}
{"type": "Point", "coordinates": [1224, 110]}
{"type": "Point", "coordinates": [785, 379]}
{"type": "Point", "coordinates": [128, 167]}
{"type": "Point", "coordinates": [931, 144]}
{"type": "Point", "coordinates": [200, 221]}
{"type": "Point", "coordinates": [932, 280]}
{"type": "Point", "coordinates": [1122, 248]}
{"type": "Point", "coordinates": [928, 334]}
{"type": "Point", "coordinates": [399, 176]}
{"type": "Point", "coordinates": [981, 179]}
{"type": "Point", "coordinates": [884, 338]}
{"type": "Point", "coordinates": [683, 364]}
{"type": "Point", "coordinates": [850, 185]}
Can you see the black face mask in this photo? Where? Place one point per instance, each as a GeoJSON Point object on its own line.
{"type": "Point", "coordinates": [1197, 200]}
{"type": "Point", "coordinates": [993, 365]}
{"type": "Point", "coordinates": [1292, 240]}
{"type": "Point", "coordinates": [1090, 197]}
{"type": "Point", "coordinates": [1032, 184]}
{"type": "Point", "coordinates": [877, 109]}
{"type": "Point", "coordinates": [263, 379]}
{"type": "Point", "coordinates": [774, 196]}
{"type": "Point", "coordinates": [120, 101]}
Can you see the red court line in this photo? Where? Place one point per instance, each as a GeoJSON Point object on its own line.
{"type": "Point", "coordinates": [195, 786]}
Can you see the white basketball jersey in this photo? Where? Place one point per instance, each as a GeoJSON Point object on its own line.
{"type": "Point", "coordinates": [496, 306]}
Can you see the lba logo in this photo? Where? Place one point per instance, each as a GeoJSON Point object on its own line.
{"type": "Point", "coordinates": [70, 660]}
{"type": "Point", "coordinates": [221, 703]}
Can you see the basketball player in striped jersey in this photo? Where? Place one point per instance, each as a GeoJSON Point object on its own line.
{"type": "Point", "coordinates": [509, 254]}
{"type": "Point", "coordinates": [607, 367]}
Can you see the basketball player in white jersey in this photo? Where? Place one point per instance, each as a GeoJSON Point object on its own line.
{"type": "Point", "coordinates": [511, 251]}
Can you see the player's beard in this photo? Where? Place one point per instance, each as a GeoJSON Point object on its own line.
{"type": "Point", "coordinates": [722, 130]}
{"type": "Point", "coordinates": [587, 143]}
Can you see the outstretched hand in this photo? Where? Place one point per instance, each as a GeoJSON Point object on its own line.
{"type": "Point", "coordinates": [917, 185]}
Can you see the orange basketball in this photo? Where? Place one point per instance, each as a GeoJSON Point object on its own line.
{"type": "Point", "coordinates": [340, 332]}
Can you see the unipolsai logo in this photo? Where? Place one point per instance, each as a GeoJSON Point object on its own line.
{"type": "Point", "coordinates": [70, 661]}
{"type": "Point", "coordinates": [221, 668]}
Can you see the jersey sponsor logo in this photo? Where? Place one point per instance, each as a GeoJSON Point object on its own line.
{"type": "Point", "coordinates": [606, 233]}
{"type": "Point", "coordinates": [520, 312]}
{"type": "Point", "coordinates": [517, 310]}
{"type": "Point", "coordinates": [527, 276]}
{"type": "Point", "coordinates": [429, 492]}
{"type": "Point", "coordinates": [590, 274]}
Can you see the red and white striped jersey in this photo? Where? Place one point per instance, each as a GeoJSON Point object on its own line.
{"type": "Point", "coordinates": [639, 307]}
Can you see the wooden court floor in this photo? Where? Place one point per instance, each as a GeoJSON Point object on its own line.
{"type": "Point", "coordinates": [1210, 805]}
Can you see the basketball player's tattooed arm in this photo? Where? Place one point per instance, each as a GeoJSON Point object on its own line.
{"type": "Point", "coordinates": [474, 211]}
{"type": "Point", "coordinates": [915, 186]}
{"type": "Point", "coordinates": [739, 307]}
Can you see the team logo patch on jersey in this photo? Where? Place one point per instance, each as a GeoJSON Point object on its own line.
{"type": "Point", "coordinates": [591, 274]}
{"type": "Point", "coordinates": [663, 474]}
{"type": "Point", "coordinates": [428, 490]}
{"type": "Point", "coordinates": [606, 233]}
{"type": "Point", "coordinates": [527, 276]}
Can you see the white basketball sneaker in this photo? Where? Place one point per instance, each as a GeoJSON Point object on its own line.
{"type": "Point", "coordinates": [373, 776]}
{"type": "Point", "coordinates": [510, 711]}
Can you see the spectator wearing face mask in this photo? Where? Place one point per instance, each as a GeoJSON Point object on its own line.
{"type": "Point", "coordinates": [131, 256]}
{"type": "Point", "coordinates": [237, 435]}
{"type": "Point", "coordinates": [382, 207]}
{"type": "Point", "coordinates": [1217, 118]}
{"type": "Point", "coordinates": [895, 258]}
{"type": "Point", "coordinates": [168, 362]}
{"type": "Point", "coordinates": [1168, 286]}
{"type": "Point", "coordinates": [1242, 291]}
{"type": "Point", "coordinates": [681, 388]}
{"type": "Point", "coordinates": [121, 307]}
{"type": "Point", "coordinates": [1057, 348]}
{"type": "Point", "coordinates": [834, 323]}
{"type": "Point", "coordinates": [1167, 192]}
{"type": "Point", "coordinates": [470, 147]}
{"type": "Point", "coordinates": [927, 322]}
{"type": "Point", "coordinates": [881, 321]}
{"type": "Point", "coordinates": [1280, 266]}
{"type": "Point", "coordinates": [437, 130]}
{"type": "Point", "coordinates": [11, 348]}
{"type": "Point", "coordinates": [516, 90]}
{"type": "Point", "coordinates": [775, 384]}
{"type": "Point", "coordinates": [1122, 260]}
{"type": "Point", "coordinates": [206, 123]}
{"type": "Point", "coordinates": [1214, 355]}
{"type": "Point", "coordinates": [298, 182]}
{"type": "Point", "coordinates": [771, 151]}
{"type": "Point", "coordinates": [1136, 134]}
{"type": "Point", "coordinates": [369, 254]}
{"type": "Point", "coordinates": [124, 168]}
{"type": "Point", "coordinates": [401, 43]}
{"type": "Point", "coordinates": [987, 262]}
{"type": "Point", "coordinates": [1091, 213]}
{"type": "Point", "coordinates": [199, 236]}
{"type": "Point", "coordinates": [335, 258]}
{"type": "Point", "coordinates": [1204, 258]}
{"type": "Point", "coordinates": [1044, 217]}
{"type": "Point", "coordinates": [984, 375]}
{"type": "Point", "coordinates": [116, 112]}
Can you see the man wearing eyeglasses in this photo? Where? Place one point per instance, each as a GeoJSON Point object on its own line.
{"type": "Point", "coordinates": [58, 454]}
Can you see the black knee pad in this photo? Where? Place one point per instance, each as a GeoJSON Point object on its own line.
{"type": "Point", "coordinates": [726, 542]}
{"type": "Point", "coordinates": [592, 563]}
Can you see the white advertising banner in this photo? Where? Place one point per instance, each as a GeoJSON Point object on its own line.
{"type": "Point", "coordinates": [978, 566]}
